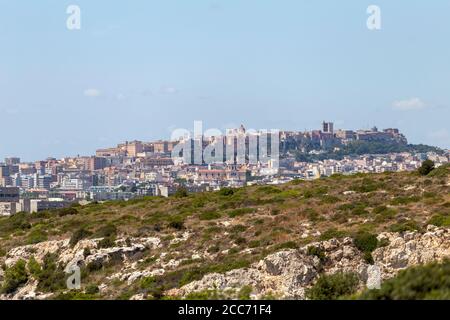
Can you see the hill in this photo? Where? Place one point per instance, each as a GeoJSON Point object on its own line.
{"type": "Point", "coordinates": [152, 247]}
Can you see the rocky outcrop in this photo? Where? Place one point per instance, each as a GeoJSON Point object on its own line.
{"type": "Point", "coordinates": [287, 274]}
{"type": "Point", "coordinates": [84, 253]}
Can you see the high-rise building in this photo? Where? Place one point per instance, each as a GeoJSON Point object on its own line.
{"type": "Point", "coordinates": [5, 179]}
{"type": "Point", "coordinates": [44, 182]}
{"type": "Point", "coordinates": [9, 194]}
{"type": "Point", "coordinates": [328, 127]}
{"type": "Point", "coordinates": [4, 171]}
{"type": "Point", "coordinates": [95, 163]}
{"type": "Point", "coordinates": [12, 161]}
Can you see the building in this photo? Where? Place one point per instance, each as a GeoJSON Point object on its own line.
{"type": "Point", "coordinates": [9, 198]}
{"type": "Point", "coordinates": [94, 163]}
{"type": "Point", "coordinates": [328, 127]}
{"type": "Point", "coordinates": [7, 208]}
{"type": "Point", "coordinates": [12, 161]}
{"type": "Point", "coordinates": [37, 205]}
{"type": "Point", "coordinates": [4, 176]}
{"type": "Point", "coordinates": [9, 194]}
{"type": "Point", "coordinates": [44, 182]}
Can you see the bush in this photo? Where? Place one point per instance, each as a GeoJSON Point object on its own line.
{"type": "Point", "coordinates": [92, 289]}
{"type": "Point", "coordinates": [78, 235]}
{"type": "Point", "coordinates": [181, 193]}
{"type": "Point", "coordinates": [245, 292]}
{"type": "Point", "coordinates": [240, 212]}
{"type": "Point", "coordinates": [107, 242]}
{"type": "Point", "coordinates": [51, 275]}
{"type": "Point", "coordinates": [426, 168]}
{"type": "Point", "coordinates": [109, 230]}
{"type": "Point", "coordinates": [67, 212]}
{"type": "Point", "coordinates": [421, 282]}
{"type": "Point", "coordinates": [37, 235]}
{"type": "Point", "coordinates": [365, 241]}
{"type": "Point", "coordinates": [332, 233]}
{"type": "Point", "coordinates": [176, 224]}
{"type": "Point", "coordinates": [211, 215]}
{"type": "Point", "coordinates": [331, 287]}
{"type": "Point", "coordinates": [14, 277]}
{"type": "Point", "coordinates": [405, 226]}
{"type": "Point", "coordinates": [317, 252]}
{"type": "Point", "coordinates": [440, 220]}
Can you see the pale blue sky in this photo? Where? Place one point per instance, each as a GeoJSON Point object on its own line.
{"type": "Point", "coordinates": [137, 69]}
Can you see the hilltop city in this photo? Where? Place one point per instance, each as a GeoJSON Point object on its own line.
{"type": "Point", "coordinates": [136, 168]}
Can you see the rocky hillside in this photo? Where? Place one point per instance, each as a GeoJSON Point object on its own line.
{"type": "Point", "coordinates": [253, 242]}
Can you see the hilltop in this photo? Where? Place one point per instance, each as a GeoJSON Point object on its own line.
{"type": "Point", "coordinates": [152, 247]}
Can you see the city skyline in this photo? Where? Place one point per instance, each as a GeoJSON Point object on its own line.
{"type": "Point", "coordinates": [141, 70]}
{"type": "Point", "coordinates": [327, 127]}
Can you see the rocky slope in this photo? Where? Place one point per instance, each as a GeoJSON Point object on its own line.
{"type": "Point", "coordinates": [284, 274]}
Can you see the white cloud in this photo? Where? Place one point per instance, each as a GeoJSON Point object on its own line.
{"type": "Point", "coordinates": [92, 93]}
{"type": "Point", "coordinates": [409, 104]}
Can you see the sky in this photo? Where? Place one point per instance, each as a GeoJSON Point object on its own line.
{"type": "Point", "coordinates": [139, 69]}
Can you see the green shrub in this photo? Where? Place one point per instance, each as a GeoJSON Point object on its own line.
{"type": "Point", "coordinates": [332, 287]}
{"type": "Point", "coordinates": [286, 245]}
{"type": "Point", "coordinates": [245, 292]}
{"type": "Point", "coordinates": [181, 193]}
{"type": "Point", "coordinates": [37, 234]}
{"type": "Point", "coordinates": [238, 228]}
{"type": "Point", "coordinates": [332, 233]}
{"type": "Point", "coordinates": [147, 283]}
{"type": "Point", "coordinates": [107, 242]}
{"type": "Point", "coordinates": [403, 226]}
{"type": "Point", "coordinates": [317, 252]}
{"type": "Point", "coordinates": [240, 212]}
{"type": "Point", "coordinates": [426, 167]}
{"type": "Point", "coordinates": [78, 235]}
{"type": "Point", "coordinates": [109, 230]}
{"type": "Point", "coordinates": [440, 172]}
{"type": "Point", "coordinates": [51, 277]}
{"type": "Point", "coordinates": [14, 277]}
{"type": "Point", "coordinates": [365, 241]}
{"type": "Point", "coordinates": [205, 295]}
{"type": "Point", "coordinates": [226, 192]}
{"type": "Point", "coordinates": [210, 215]}
{"type": "Point", "coordinates": [177, 224]}
{"type": "Point", "coordinates": [214, 249]}
{"type": "Point", "coordinates": [404, 200]}
{"type": "Point", "coordinates": [67, 211]}
{"type": "Point", "coordinates": [92, 289]}
{"type": "Point", "coordinates": [34, 268]}
{"type": "Point", "coordinates": [440, 220]}
{"type": "Point", "coordinates": [328, 199]}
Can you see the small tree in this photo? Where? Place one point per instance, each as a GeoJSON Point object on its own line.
{"type": "Point", "coordinates": [334, 286]}
{"type": "Point", "coordinates": [14, 277]}
{"type": "Point", "coordinates": [426, 168]}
